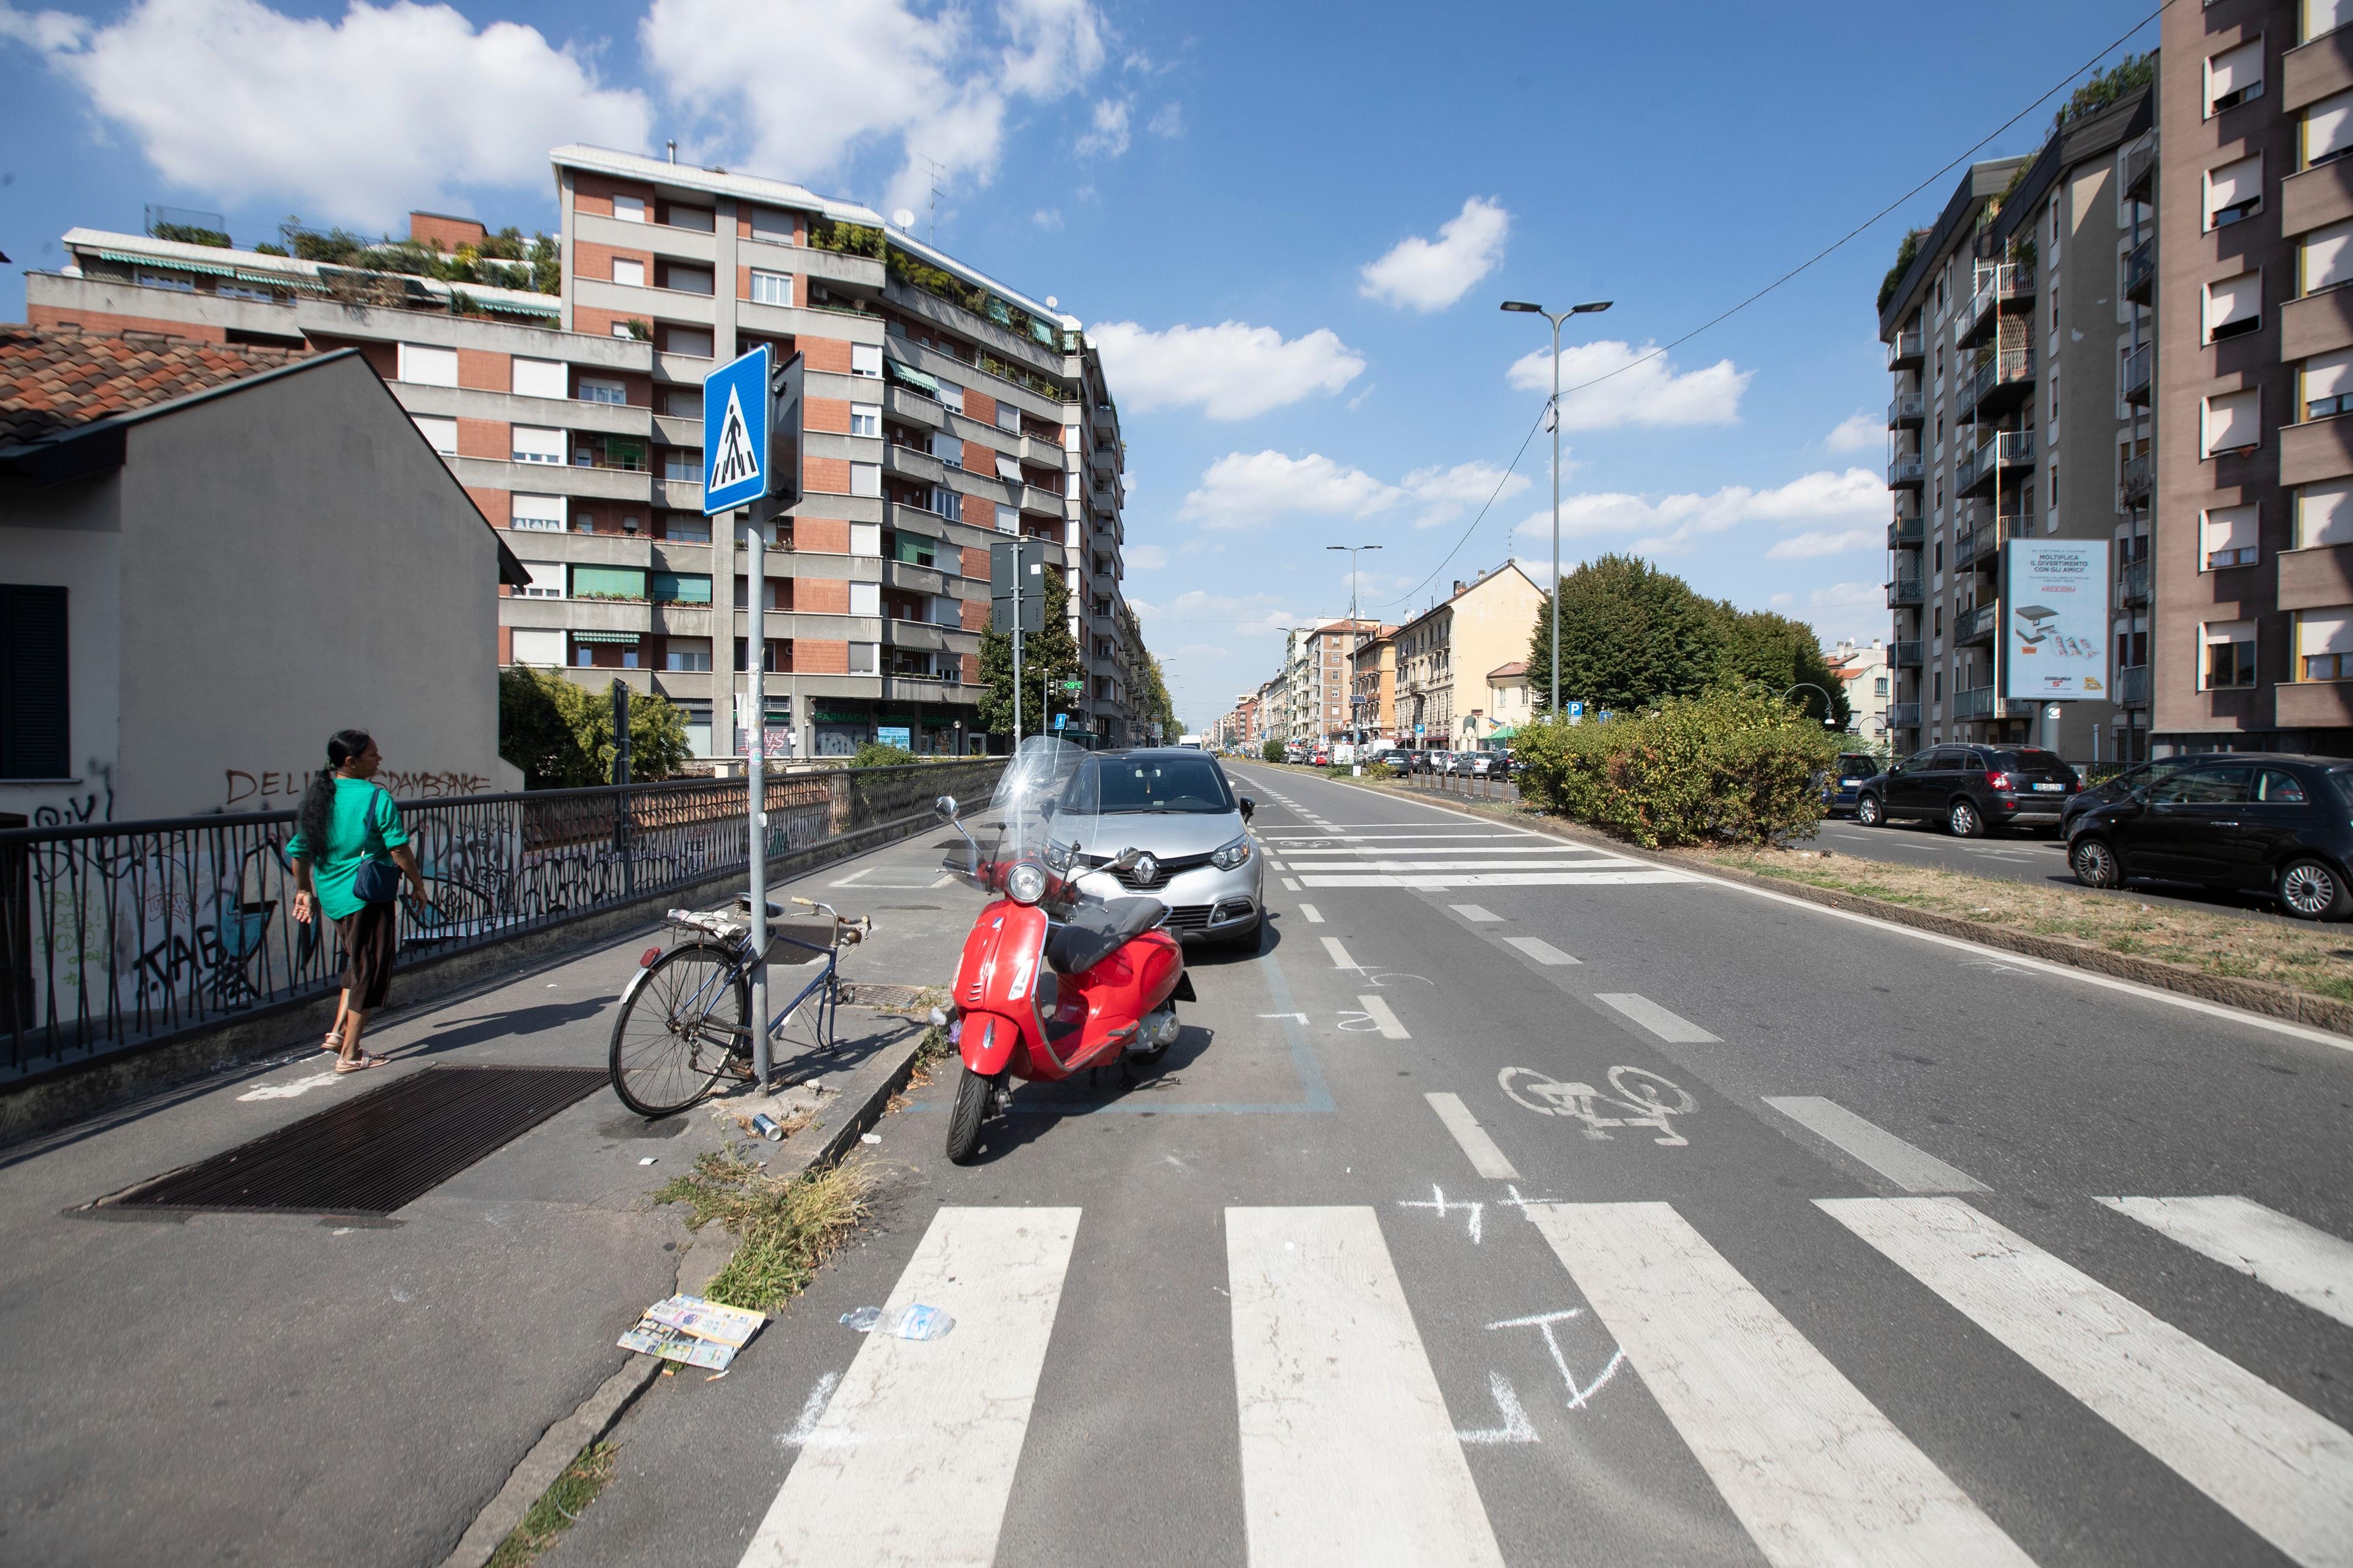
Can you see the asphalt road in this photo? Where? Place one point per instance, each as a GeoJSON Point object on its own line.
{"type": "Point", "coordinates": [1574, 1212]}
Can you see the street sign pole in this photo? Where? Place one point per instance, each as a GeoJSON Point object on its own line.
{"type": "Point", "coordinates": [1017, 646]}
{"type": "Point", "coordinates": [755, 775]}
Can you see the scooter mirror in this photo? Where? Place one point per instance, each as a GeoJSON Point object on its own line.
{"type": "Point", "coordinates": [1125, 858]}
{"type": "Point", "coordinates": [947, 807]}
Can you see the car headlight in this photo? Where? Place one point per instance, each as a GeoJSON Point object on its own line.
{"type": "Point", "coordinates": [1232, 855]}
{"type": "Point", "coordinates": [1026, 883]}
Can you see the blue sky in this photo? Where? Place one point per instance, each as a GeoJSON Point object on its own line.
{"type": "Point", "coordinates": [1289, 227]}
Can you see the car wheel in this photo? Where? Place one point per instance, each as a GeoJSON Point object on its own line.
{"type": "Point", "coordinates": [1868, 813]}
{"type": "Point", "coordinates": [2312, 890]}
{"type": "Point", "coordinates": [2095, 864]}
{"type": "Point", "coordinates": [1964, 818]}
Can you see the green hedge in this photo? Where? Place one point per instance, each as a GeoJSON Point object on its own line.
{"type": "Point", "coordinates": [1726, 767]}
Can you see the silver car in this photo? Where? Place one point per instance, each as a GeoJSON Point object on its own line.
{"type": "Point", "coordinates": [1177, 806]}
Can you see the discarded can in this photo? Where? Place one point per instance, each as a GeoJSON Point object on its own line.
{"type": "Point", "coordinates": [765, 1126]}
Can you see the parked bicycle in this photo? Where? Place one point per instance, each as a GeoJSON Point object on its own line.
{"type": "Point", "coordinates": [685, 1021]}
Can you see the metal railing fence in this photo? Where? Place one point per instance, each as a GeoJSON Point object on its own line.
{"type": "Point", "coordinates": [113, 934]}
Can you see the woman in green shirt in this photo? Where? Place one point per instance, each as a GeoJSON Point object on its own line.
{"type": "Point", "coordinates": [345, 824]}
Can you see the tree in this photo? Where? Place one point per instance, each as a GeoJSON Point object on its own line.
{"type": "Point", "coordinates": [1777, 653]}
{"type": "Point", "coordinates": [1047, 659]}
{"type": "Point", "coordinates": [1631, 636]}
{"type": "Point", "coordinates": [1150, 698]}
{"type": "Point", "coordinates": [561, 734]}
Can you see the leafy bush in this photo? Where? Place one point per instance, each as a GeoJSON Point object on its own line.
{"type": "Point", "coordinates": [875, 754]}
{"type": "Point", "coordinates": [560, 733]}
{"type": "Point", "coordinates": [1271, 751]}
{"type": "Point", "coordinates": [1728, 767]}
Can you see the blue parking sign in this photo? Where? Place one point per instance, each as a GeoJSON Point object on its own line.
{"type": "Point", "coordinates": [1576, 712]}
{"type": "Point", "coordinates": [735, 433]}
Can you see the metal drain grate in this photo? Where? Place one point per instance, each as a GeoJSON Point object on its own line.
{"type": "Point", "coordinates": [385, 1149]}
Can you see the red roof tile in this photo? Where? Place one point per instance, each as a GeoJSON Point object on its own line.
{"type": "Point", "coordinates": [53, 379]}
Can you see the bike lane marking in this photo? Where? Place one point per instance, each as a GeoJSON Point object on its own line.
{"type": "Point", "coordinates": [914, 1459]}
{"type": "Point", "coordinates": [1486, 1157]}
{"type": "Point", "coordinates": [1913, 1170]}
{"type": "Point", "coordinates": [1669, 1028]}
{"type": "Point", "coordinates": [2272, 1248]}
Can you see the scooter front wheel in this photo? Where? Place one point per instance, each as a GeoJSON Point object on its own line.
{"type": "Point", "coordinates": [972, 1090]}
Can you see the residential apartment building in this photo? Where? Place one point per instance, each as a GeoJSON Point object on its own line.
{"type": "Point", "coordinates": [944, 411]}
{"type": "Point", "coordinates": [2020, 365]}
{"type": "Point", "coordinates": [2252, 563]}
{"type": "Point", "coordinates": [1510, 700]}
{"type": "Point", "coordinates": [1372, 687]}
{"type": "Point", "coordinates": [1306, 691]}
{"type": "Point", "coordinates": [1483, 623]}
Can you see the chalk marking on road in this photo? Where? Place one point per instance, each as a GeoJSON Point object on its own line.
{"type": "Point", "coordinates": [1314, 916]}
{"type": "Point", "coordinates": [1348, 1454]}
{"type": "Point", "coordinates": [1340, 959]}
{"type": "Point", "coordinates": [290, 1089]}
{"type": "Point", "coordinates": [940, 1421]}
{"type": "Point", "coordinates": [1511, 1200]}
{"type": "Point", "coordinates": [1813, 1470]}
{"type": "Point", "coordinates": [1486, 1157]}
{"type": "Point", "coordinates": [1912, 1169]}
{"type": "Point", "coordinates": [2275, 1249]}
{"type": "Point", "coordinates": [1542, 951]}
{"type": "Point", "coordinates": [1383, 1019]}
{"type": "Point", "coordinates": [812, 1408]}
{"type": "Point", "coordinates": [2040, 965]}
{"type": "Point", "coordinates": [2284, 1470]}
{"type": "Point", "coordinates": [1438, 1205]}
{"type": "Point", "coordinates": [1474, 913]}
{"type": "Point", "coordinates": [1544, 1323]}
{"type": "Point", "coordinates": [1657, 1019]}
{"type": "Point", "coordinates": [1289, 885]}
{"type": "Point", "coordinates": [1515, 1425]}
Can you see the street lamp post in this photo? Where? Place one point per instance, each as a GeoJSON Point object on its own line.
{"type": "Point", "coordinates": [1829, 721]}
{"type": "Point", "coordinates": [1585, 310]}
{"type": "Point", "coordinates": [1353, 738]}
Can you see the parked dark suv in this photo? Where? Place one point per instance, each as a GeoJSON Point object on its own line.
{"type": "Point", "coordinates": [2248, 823]}
{"type": "Point", "coordinates": [1970, 789]}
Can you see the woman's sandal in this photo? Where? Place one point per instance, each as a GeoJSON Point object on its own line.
{"type": "Point", "coordinates": [366, 1060]}
{"type": "Point", "coordinates": [333, 1043]}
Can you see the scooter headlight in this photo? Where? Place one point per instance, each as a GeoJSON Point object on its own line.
{"type": "Point", "coordinates": [1026, 883]}
{"type": "Point", "coordinates": [1058, 855]}
{"type": "Point", "coordinates": [1232, 855]}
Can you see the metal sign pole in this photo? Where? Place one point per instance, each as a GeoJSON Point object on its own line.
{"type": "Point", "coordinates": [1017, 643]}
{"type": "Point", "coordinates": [756, 773]}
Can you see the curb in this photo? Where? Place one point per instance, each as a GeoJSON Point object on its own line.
{"type": "Point", "coordinates": [2263, 997]}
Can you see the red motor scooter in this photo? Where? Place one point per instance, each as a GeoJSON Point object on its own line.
{"type": "Point", "coordinates": [1053, 980]}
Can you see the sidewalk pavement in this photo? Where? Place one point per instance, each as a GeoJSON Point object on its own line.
{"type": "Point", "coordinates": [284, 1388]}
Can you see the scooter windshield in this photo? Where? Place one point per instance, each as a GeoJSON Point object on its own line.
{"type": "Point", "coordinates": [1023, 814]}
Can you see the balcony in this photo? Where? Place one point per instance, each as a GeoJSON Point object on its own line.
{"type": "Point", "coordinates": [2131, 685]}
{"type": "Point", "coordinates": [1909, 410]}
{"type": "Point", "coordinates": [1901, 592]}
{"type": "Point", "coordinates": [1907, 534]}
{"type": "Point", "coordinates": [906, 402]}
{"type": "Point", "coordinates": [913, 578]}
{"type": "Point", "coordinates": [2001, 382]}
{"type": "Point", "coordinates": [912, 463]}
{"type": "Point", "coordinates": [2140, 272]}
{"type": "Point", "coordinates": [1906, 471]}
{"type": "Point", "coordinates": [2005, 287]}
{"type": "Point", "coordinates": [1977, 473]}
{"type": "Point", "coordinates": [2140, 173]}
{"type": "Point", "coordinates": [1967, 547]}
{"type": "Point", "coordinates": [2141, 479]}
{"type": "Point", "coordinates": [1903, 350]}
{"type": "Point", "coordinates": [1977, 702]}
{"type": "Point", "coordinates": [1905, 654]}
{"type": "Point", "coordinates": [2138, 365]}
{"type": "Point", "coordinates": [2132, 584]}
{"type": "Point", "coordinates": [1903, 715]}
{"type": "Point", "coordinates": [1977, 626]}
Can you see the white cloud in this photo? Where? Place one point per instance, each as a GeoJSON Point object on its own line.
{"type": "Point", "coordinates": [354, 121]}
{"type": "Point", "coordinates": [935, 83]}
{"type": "Point", "coordinates": [1650, 393]}
{"type": "Point", "coordinates": [1815, 543]}
{"type": "Point", "coordinates": [1146, 557]}
{"type": "Point", "coordinates": [1168, 124]}
{"type": "Point", "coordinates": [1257, 615]}
{"type": "Point", "coordinates": [1232, 371]}
{"type": "Point", "coordinates": [1673, 523]}
{"type": "Point", "coordinates": [1856, 432]}
{"type": "Point", "coordinates": [1109, 138]}
{"type": "Point", "coordinates": [1449, 492]}
{"type": "Point", "coordinates": [1243, 489]}
{"type": "Point", "coordinates": [1047, 219]}
{"type": "Point", "coordinates": [1421, 275]}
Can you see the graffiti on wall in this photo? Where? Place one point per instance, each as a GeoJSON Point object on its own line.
{"type": "Point", "coordinates": [270, 790]}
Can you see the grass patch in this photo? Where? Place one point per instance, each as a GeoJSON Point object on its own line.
{"type": "Point", "coordinates": [784, 1227]}
{"type": "Point", "coordinates": [2304, 958]}
{"type": "Point", "coordinates": [558, 1508]}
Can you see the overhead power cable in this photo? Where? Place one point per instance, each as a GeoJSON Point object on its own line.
{"type": "Point", "coordinates": [1836, 245]}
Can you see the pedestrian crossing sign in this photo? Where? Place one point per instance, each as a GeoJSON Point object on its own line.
{"type": "Point", "coordinates": [735, 422]}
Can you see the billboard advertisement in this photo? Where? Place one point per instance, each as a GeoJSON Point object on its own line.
{"type": "Point", "coordinates": [2054, 634]}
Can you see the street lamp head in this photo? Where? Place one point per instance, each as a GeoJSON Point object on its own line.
{"type": "Point", "coordinates": [1522, 305]}
{"type": "Point", "coordinates": [1590, 306]}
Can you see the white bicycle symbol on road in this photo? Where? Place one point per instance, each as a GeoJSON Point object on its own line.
{"type": "Point", "coordinates": [1648, 1100]}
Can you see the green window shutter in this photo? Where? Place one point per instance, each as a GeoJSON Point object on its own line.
{"type": "Point", "coordinates": [682, 588]}
{"type": "Point", "coordinates": [609, 581]}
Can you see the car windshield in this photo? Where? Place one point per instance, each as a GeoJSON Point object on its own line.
{"type": "Point", "coordinates": [1857, 764]}
{"type": "Point", "coordinates": [1117, 785]}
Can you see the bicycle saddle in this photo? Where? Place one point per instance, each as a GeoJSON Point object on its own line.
{"type": "Point", "coordinates": [743, 902]}
{"type": "Point", "coordinates": [1096, 931]}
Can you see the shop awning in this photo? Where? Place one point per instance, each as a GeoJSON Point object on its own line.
{"type": "Point", "coordinates": [1505, 733]}
{"type": "Point", "coordinates": [629, 639]}
{"type": "Point", "coordinates": [165, 263]}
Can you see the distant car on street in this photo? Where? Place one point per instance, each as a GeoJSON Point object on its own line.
{"type": "Point", "coordinates": [1485, 764]}
{"type": "Point", "coordinates": [1844, 786]}
{"type": "Point", "coordinates": [1970, 789]}
{"type": "Point", "coordinates": [2259, 823]}
{"type": "Point", "coordinates": [1432, 760]}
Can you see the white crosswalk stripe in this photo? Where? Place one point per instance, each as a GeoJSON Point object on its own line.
{"type": "Point", "coordinates": [1440, 859]}
{"type": "Point", "coordinates": [2289, 1255]}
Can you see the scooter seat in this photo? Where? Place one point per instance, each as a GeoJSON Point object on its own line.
{"type": "Point", "coordinates": [1096, 931]}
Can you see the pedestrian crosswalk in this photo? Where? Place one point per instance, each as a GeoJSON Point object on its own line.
{"type": "Point", "coordinates": [1349, 1450]}
{"type": "Point", "coordinates": [1439, 858]}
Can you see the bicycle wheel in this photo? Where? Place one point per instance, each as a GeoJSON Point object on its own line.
{"type": "Point", "coordinates": [677, 1026]}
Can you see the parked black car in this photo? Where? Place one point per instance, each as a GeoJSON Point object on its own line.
{"type": "Point", "coordinates": [1844, 786]}
{"type": "Point", "coordinates": [2115, 788]}
{"type": "Point", "coordinates": [2248, 823]}
{"type": "Point", "coordinates": [1970, 789]}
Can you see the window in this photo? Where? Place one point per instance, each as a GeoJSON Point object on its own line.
{"type": "Point", "coordinates": [629, 209]}
{"type": "Point", "coordinates": [1008, 519]}
{"type": "Point", "coordinates": [2234, 191]}
{"type": "Point", "coordinates": [2227, 537]}
{"type": "Point", "coordinates": [2328, 384]}
{"type": "Point", "coordinates": [866, 419]}
{"type": "Point", "coordinates": [948, 448]}
{"type": "Point", "coordinates": [178, 283]}
{"type": "Point", "coordinates": [2324, 515]}
{"type": "Point", "coordinates": [687, 654]}
{"type": "Point", "coordinates": [441, 434]}
{"type": "Point", "coordinates": [1009, 468]}
{"type": "Point", "coordinates": [681, 587]}
{"type": "Point", "coordinates": [537, 514]}
{"type": "Point", "coordinates": [609, 583]}
{"type": "Point", "coordinates": [774, 226]}
{"type": "Point", "coordinates": [866, 359]}
{"type": "Point", "coordinates": [686, 527]}
{"type": "Point", "coordinates": [2329, 129]}
{"type": "Point", "coordinates": [865, 658]}
{"type": "Point", "coordinates": [695, 342]}
{"type": "Point", "coordinates": [678, 214]}
{"type": "Point", "coordinates": [2204, 784]}
{"type": "Point", "coordinates": [865, 538]}
{"type": "Point", "coordinates": [866, 598]}
{"type": "Point", "coordinates": [612, 392]}
{"type": "Point", "coordinates": [540, 378]}
{"type": "Point", "coordinates": [2234, 306]}
{"type": "Point", "coordinates": [2233, 77]}
{"type": "Point", "coordinates": [951, 396]}
{"type": "Point", "coordinates": [533, 646]}
{"type": "Point", "coordinates": [2326, 257]}
{"type": "Point", "coordinates": [2230, 423]}
{"type": "Point", "coordinates": [246, 291]}
{"type": "Point", "coordinates": [771, 287]}
{"type": "Point", "coordinates": [630, 271]}
{"type": "Point", "coordinates": [1009, 418]}
{"type": "Point", "coordinates": [684, 463]}
{"type": "Point", "coordinates": [2230, 654]}
{"type": "Point", "coordinates": [547, 579]}
{"type": "Point", "coordinates": [915, 549]}
{"type": "Point", "coordinates": [428, 366]}
{"type": "Point", "coordinates": [535, 444]}
{"type": "Point", "coordinates": [866, 480]}
{"type": "Point", "coordinates": [2275, 788]}
{"type": "Point", "coordinates": [685, 279]}
{"type": "Point", "coordinates": [35, 697]}
{"type": "Point", "coordinates": [621, 330]}
{"type": "Point", "coordinates": [2324, 643]}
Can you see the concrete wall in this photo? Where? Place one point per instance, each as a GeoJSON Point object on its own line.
{"type": "Point", "coordinates": [65, 536]}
